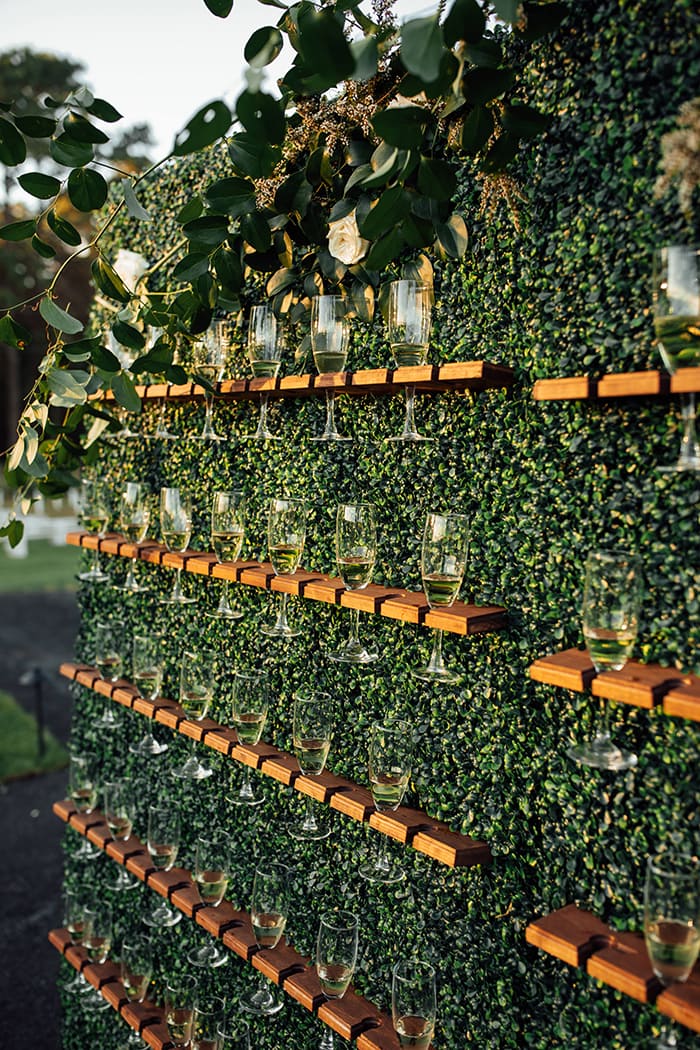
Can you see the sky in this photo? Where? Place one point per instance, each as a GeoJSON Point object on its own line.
{"type": "Point", "coordinates": [157, 61]}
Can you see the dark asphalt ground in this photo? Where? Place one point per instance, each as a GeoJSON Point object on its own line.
{"type": "Point", "coordinates": [35, 629]}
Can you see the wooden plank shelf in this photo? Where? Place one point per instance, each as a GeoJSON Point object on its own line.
{"type": "Point", "coordinates": [456, 375]}
{"type": "Point", "coordinates": [618, 384]}
{"type": "Point", "coordinates": [641, 685]}
{"type": "Point", "coordinates": [619, 960]}
{"type": "Point", "coordinates": [411, 827]}
{"type": "Point", "coordinates": [351, 1017]}
{"type": "Point", "coordinates": [392, 602]}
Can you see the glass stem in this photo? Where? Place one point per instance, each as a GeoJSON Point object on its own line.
{"type": "Point", "coordinates": [690, 447]}
{"type": "Point", "coordinates": [95, 561]}
{"type": "Point", "coordinates": [130, 576]}
{"type": "Point", "coordinates": [327, 1042]}
{"type": "Point", "coordinates": [262, 422]}
{"type": "Point", "coordinates": [223, 603]}
{"type": "Point", "coordinates": [354, 636]}
{"type": "Point", "coordinates": [409, 426]}
{"type": "Point", "coordinates": [602, 732]}
{"type": "Point", "coordinates": [209, 403]}
{"type": "Point", "coordinates": [177, 591]}
{"type": "Point", "coordinates": [309, 818]}
{"type": "Point", "coordinates": [281, 623]}
{"type": "Point", "coordinates": [436, 663]}
{"type": "Point", "coordinates": [330, 412]}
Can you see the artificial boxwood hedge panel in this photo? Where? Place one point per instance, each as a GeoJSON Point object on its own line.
{"type": "Point", "coordinates": [542, 484]}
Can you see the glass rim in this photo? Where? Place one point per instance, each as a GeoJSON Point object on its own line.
{"type": "Point", "coordinates": [312, 696]}
{"type": "Point", "coordinates": [350, 921]}
{"type": "Point", "coordinates": [655, 864]}
{"type": "Point", "coordinates": [616, 554]}
{"type": "Point", "coordinates": [392, 724]}
{"type": "Point", "coordinates": [228, 492]}
{"type": "Point", "coordinates": [180, 982]}
{"type": "Point", "coordinates": [293, 500]}
{"type": "Point", "coordinates": [403, 968]}
{"type": "Point", "coordinates": [361, 504]}
{"type": "Point", "coordinates": [271, 867]}
{"type": "Point", "coordinates": [450, 515]}
{"type": "Point", "coordinates": [250, 672]}
{"type": "Point", "coordinates": [411, 280]}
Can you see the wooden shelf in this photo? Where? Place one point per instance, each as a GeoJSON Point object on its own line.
{"type": "Point", "coordinates": [618, 384]}
{"type": "Point", "coordinates": [457, 375]}
{"type": "Point", "coordinates": [409, 826]}
{"type": "Point", "coordinates": [393, 602]}
{"type": "Point", "coordinates": [641, 685]}
{"type": "Point", "coordinates": [617, 959]}
{"type": "Point", "coordinates": [351, 1017]}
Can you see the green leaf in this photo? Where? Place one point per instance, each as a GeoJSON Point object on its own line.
{"type": "Point", "coordinates": [384, 251]}
{"type": "Point", "coordinates": [133, 204]}
{"type": "Point", "coordinates": [323, 45]}
{"type": "Point", "coordinates": [263, 46]}
{"type": "Point", "coordinates": [206, 126]}
{"type": "Point", "coordinates": [125, 392]}
{"type": "Point", "coordinates": [262, 116]}
{"type": "Point", "coordinates": [465, 21]}
{"type": "Point", "coordinates": [255, 230]}
{"type": "Point", "coordinates": [524, 121]}
{"type": "Point", "coordinates": [252, 157]}
{"type": "Point", "coordinates": [280, 281]}
{"type": "Point", "coordinates": [477, 129]}
{"type": "Point", "coordinates": [501, 153]}
{"type": "Point", "coordinates": [13, 149]}
{"type": "Point", "coordinates": [508, 10]}
{"type": "Point", "coordinates": [453, 236]}
{"type": "Point", "coordinates": [401, 126]}
{"type": "Point", "coordinates": [209, 230]}
{"type": "Point", "coordinates": [58, 318]}
{"type": "Point", "coordinates": [294, 194]}
{"type": "Point", "coordinates": [128, 336]}
{"type": "Point", "coordinates": [109, 282]}
{"type": "Point", "coordinates": [36, 127]}
{"type": "Point", "coordinates": [485, 53]}
{"type": "Point", "coordinates": [67, 388]}
{"type": "Point", "coordinates": [42, 248]}
{"type": "Point", "coordinates": [104, 110]}
{"type": "Point", "coordinates": [193, 265]}
{"type": "Point", "coordinates": [18, 231]}
{"type": "Point", "coordinates": [227, 265]}
{"type": "Point", "coordinates": [422, 47]}
{"type": "Point", "coordinates": [39, 185]}
{"type": "Point", "coordinates": [13, 333]}
{"type": "Point", "coordinates": [104, 359]}
{"type": "Point", "coordinates": [192, 210]}
{"type": "Point", "coordinates": [156, 360]}
{"type": "Point", "coordinates": [220, 8]}
{"type": "Point", "coordinates": [235, 196]}
{"type": "Point", "coordinates": [436, 179]}
{"type": "Point", "coordinates": [87, 189]}
{"type": "Point", "coordinates": [365, 54]}
{"type": "Point", "coordinates": [391, 207]}
{"type": "Point", "coordinates": [63, 229]}
{"type": "Point", "coordinates": [69, 153]}
{"type": "Point", "coordinates": [14, 531]}
{"type": "Point", "coordinates": [81, 130]}
{"type": "Point", "coordinates": [483, 85]}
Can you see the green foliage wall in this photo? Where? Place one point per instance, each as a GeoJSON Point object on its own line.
{"type": "Point", "coordinates": [542, 484]}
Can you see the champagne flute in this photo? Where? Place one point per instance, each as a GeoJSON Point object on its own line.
{"type": "Point", "coordinates": [336, 957]}
{"type": "Point", "coordinates": [414, 1003]}
{"type": "Point", "coordinates": [610, 618]}
{"type": "Point", "coordinates": [234, 1034]}
{"type": "Point", "coordinates": [268, 916]}
{"type": "Point", "coordinates": [134, 519]}
{"type": "Point", "coordinates": [119, 814]}
{"type": "Point", "coordinates": [390, 759]}
{"type": "Point", "coordinates": [94, 516]}
{"type": "Point", "coordinates": [74, 908]}
{"type": "Point", "coordinates": [312, 740]}
{"type": "Point", "coordinates": [136, 967]}
{"type": "Point", "coordinates": [676, 300]}
{"type": "Point", "coordinates": [330, 335]}
{"type": "Point", "coordinates": [210, 357]}
{"type": "Point", "coordinates": [672, 922]}
{"type": "Point", "coordinates": [109, 639]}
{"type": "Point", "coordinates": [208, 1015]}
{"type": "Point", "coordinates": [176, 529]}
{"type": "Point", "coordinates": [265, 344]}
{"type": "Point", "coordinates": [408, 329]}
{"type": "Point", "coordinates": [227, 530]}
{"type": "Point", "coordinates": [250, 699]}
{"type": "Point", "coordinates": [356, 553]}
{"type": "Point", "coordinates": [147, 669]}
{"type": "Point", "coordinates": [82, 789]}
{"type": "Point", "coordinates": [211, 874]}
{"type": "Point", "coordinates": [443, 563]}
{"type": "Point", "coordinates": [180, 997]}
{"type": "Point", "coordinates": [196, 692]}
{"type": "Point", "coordinates": [286, 534]}
{"type": "Point", "coordinates": [163, 844]}
{"type": "Point", "coordinates": [97, 941]}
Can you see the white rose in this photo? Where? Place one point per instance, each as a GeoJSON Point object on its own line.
{"type": "Point", "coordinates": [130, 266]}
{"type": "Point", "coordinates": [344, 241]}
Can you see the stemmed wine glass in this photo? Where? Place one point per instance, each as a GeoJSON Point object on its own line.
{"type": "Point", "coordinates": [286, 534]}
{"type": "Point", "coordinates": [196, 692]}
{"type": "Point", "coordinates": [136, 967]}
{"type": "Point", "coordinates": [443, 563]}
{"type": "Point", "coordinates": [94, 516]}
{"type": "Point", "coordinates": [330, 335]}
{"type": "Point", "coordinates": [610, 618]}
{"type": "Point", "coordinates": [227, 530]}
{"type": "Point", "coordinates": [210, 356]}
{"type": "Point", "coordinates": [82, 790]}
{"type": "Point", "coordinates": [97, 941]}
{"type": "Point", "coordinates": [74, 908]}
{"type": "Point", "coordinates": [147, 669]}
{"type": "Point", "coordinates": [414, 1003]}
{"type": "Point", "coordinates": [211, 873]}
{"type": "Point", "coordinates": [176, 529]}
{"type": "Point", "coordinates": [234, 1034]}
{"type": "Point", "coordinates": [313, 719]}
{"type": "Point", "coordinates": [134, 519]}
{"type": "Point", "coordinates": [250, 699]}
{"type": "Point", "coordinates": [119, 814]}
{"type": "Point", "coordinates": [356, 553]}
{"type": "Point", "coordinates": [208, 1016]}
{"type": "Point", "coordinates": [163, 843]}
{"type": "Point", "coordinates": [109, 639]}
{"type": "Point", "coordinates": [390, 759]}
{"type": "Point", "coordinates": [336, 957]}
{"type": "Point", "coordinates": [408, 329]}
{"type": "Point", "coordinates": [268, 916]}
{"type": "Point", "coordinates": [180, 997]}
{"type": "Point", "coordinates": [672, 922]}
{"type": "Point", "coordinates": [265, 344]}
{"type": "Point", "coordinates": [676, 299]}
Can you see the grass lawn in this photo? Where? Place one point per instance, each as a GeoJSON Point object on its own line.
{"type": "Point", "coordinates": [19, 755]}
{"type": "Point", "coordinates": [47, 568]}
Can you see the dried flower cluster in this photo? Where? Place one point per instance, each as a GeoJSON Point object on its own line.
{"type": "Point", "coordinates": [498, 187]}
{"type": "Point", "coordinates": [680, 157]}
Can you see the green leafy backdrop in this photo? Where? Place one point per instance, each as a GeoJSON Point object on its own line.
{"type": "Point", "coordinates": [542, 484]}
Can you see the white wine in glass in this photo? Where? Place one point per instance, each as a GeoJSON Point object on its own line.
{"type": "Point", "coordinates": [414, 1003]}
{"type": "Point", "coordinates": [390, 761]}
{"type": "Point", "coordinates": [610, 619]}
{"type": "Point", "coordinates": [356, 553]}
{"type": "Point", "coordinates": [265, 345]}
{"type": "Point", "coordinates": [134, 519]}
{"type": "Point", "coordinates": [250, 699]}
{"type": "Point", "coordinates": [286, 535]}
{"type": "Point", "coordinates": [196, 693]}
{"type": "Point", "coordinates": [119, 814]}
{"type": "Point", "coordinates": [408, 324]}
{"type": "Point", "coordinates": [180, 997]}
{"type": "Point", "coordinates": [93, 512]}
{"type": "Point", "coordinates": [136, 967]}
{"type": "Point", "coordinates": [268, 914]}
{"type": "Point", "coordinates": [176, 530]}
{"type": "Point", "coordinates": [227, 531]}
{"type": "Point", "coordinates": [336, 958]}
{"type": "Point", "coordinates": [147, 671]}
{"type": "Point", "coordinates": [109, 644]}
{"type": "Point", "coordinates": [313, 722]}
{"type": "Point", "coordinates": [211, 876]}
{"type": "Point", "coordinates": [330, 336]}
{"type": "Point", "coordinates": [210, 359]}
{"type": "Point", "coordinates": [443, 564]}
{"type": "Point", "coordinates": [163, 843]}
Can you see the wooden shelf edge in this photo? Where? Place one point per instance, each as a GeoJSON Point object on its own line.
{"type": "Point", "coordinates": [430, 837]}
{"type": "Point", "coordinates": [619, 960]}
{"type": "Point", "coordinates": [649, 383]}
{"type": "Point", "coordinates": [394, 603]}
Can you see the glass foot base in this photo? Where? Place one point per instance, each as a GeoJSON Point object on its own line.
{"type": "Point", "coordinates": [231, 615]}
{"type": "Point", "coordinates": [131, 589]}
{"type": "Point", "coordinates": [438, 674]}
{"type": "Point", "coordinates": [243, 800]}
{"type": "Point", "coordinates": [610, 757]}
{"type": "Point", "coordinates": [177, 601]}
{"type": "Point", "coordinates": [311, 834]}
{"type": "Point", "coordinates": [191, 773]}
{"type": "Point", "coordinates": [107, 723]}
{"type": "Point", "coordinates": [680, 467]}
{"type": "Point", "coordinates": [351, 654]}
{"type": "Point", "coordinates": [93, 577]}
{"type": "Point", "coordinates": [261, 1003]}
{"type": "Point", "coordinates": [412, 436]}
{"type": "Point", "coordinates": [273, 631]}
{"type": "Point", "coordinates": [386, 873]}
{"type": "Point", "coordinates": [329, 437]}
{"type": "Point", "coordinates": [148, 746]}
{"type": "Point", "coordinates": [163, 919]}
{"type": "Point", "coordinates": [264, 436]}
{"type": "Point", "coordinates": [208, 957]}
{"type": "Point", "coordinates": [123, 885]}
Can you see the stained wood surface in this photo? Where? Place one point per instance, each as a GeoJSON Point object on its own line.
{"type": "Point", "coordinates": [410, 826]}
{"type": "Point", "coordinates": [618, 384]}
{"type": "Point", "coordinates": [392, 602]}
